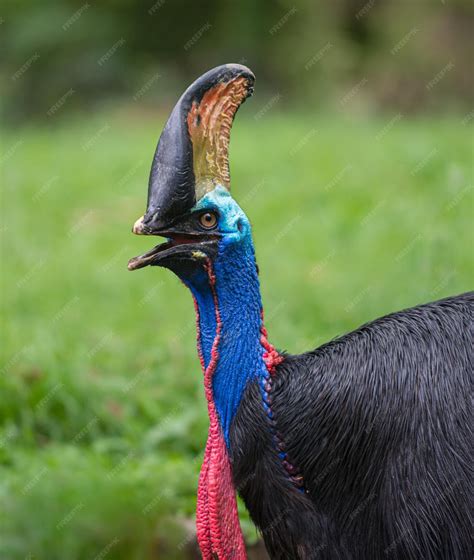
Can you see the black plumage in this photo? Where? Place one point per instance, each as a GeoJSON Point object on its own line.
{"type": "Point", "coordinates": [378, 423]}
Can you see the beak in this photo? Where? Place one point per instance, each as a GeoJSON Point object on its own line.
{"type": "Point", "coordinates": [181, 245]}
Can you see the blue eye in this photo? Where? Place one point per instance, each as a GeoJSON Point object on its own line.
{"type": "Point", "coordinates": [208, 220]}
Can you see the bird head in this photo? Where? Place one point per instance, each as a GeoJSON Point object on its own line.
{"type": "Point", "coordinates": [189, 201]}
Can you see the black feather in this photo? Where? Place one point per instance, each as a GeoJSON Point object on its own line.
{"type": "Point", "coordinates": [379, 423]}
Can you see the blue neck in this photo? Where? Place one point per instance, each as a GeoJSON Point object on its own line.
{"type": "Point", "coordinates": [239, 350]}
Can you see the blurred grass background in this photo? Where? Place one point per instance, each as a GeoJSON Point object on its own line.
{"type": "Point", "coordinates": [353, 162]}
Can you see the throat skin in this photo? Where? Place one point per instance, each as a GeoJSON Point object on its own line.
{"type": "Point", "coordinates": [228, 306]}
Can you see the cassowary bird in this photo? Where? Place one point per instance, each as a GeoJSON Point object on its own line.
{"type": "Point", "coordinates": [360, 449]}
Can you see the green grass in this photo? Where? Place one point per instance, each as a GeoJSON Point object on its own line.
{"type": "Point", "coordinates": [103, 419]}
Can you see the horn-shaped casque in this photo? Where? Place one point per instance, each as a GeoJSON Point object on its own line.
{"type": "Point", "coordinates": [192, 156]}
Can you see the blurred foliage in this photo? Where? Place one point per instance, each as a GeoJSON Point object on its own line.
{"type": "Point", "coordinates": [361, 206]}
{"type": "Point", "coordinates": [102, 416]}
{"type": "Point", "coordinates": [307, 53]}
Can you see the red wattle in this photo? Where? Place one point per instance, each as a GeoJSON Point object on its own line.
{"type": "Point", "coordinates": [218, 528]}
{"type": "Point", "coordinates": [271, 357]}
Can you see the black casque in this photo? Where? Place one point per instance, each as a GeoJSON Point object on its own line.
{"type": "Point", "coordinates": [192, 153]}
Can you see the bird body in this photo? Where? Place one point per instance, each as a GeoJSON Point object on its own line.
{"type": "Point", "coordinates": [378, 425]}
{"type": "Point", "coordinates": [357, 450]}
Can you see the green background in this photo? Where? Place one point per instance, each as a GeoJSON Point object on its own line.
{"type": "Point", "coordinates": [356, 173]}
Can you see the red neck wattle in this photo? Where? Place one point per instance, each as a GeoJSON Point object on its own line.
{"type": "Point", "coordinates": [271, 356]}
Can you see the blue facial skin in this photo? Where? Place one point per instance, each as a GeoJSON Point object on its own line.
{"type": "Point", "coordinates": [240, 353]}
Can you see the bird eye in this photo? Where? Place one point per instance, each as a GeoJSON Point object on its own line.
{"type": "Point", "coordinates": [208, 220]}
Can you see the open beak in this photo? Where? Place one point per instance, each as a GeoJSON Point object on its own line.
{"type": "Point", "coordinates": [149, 257]}
{"type": "Point", "coordinates": [179, 245]}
